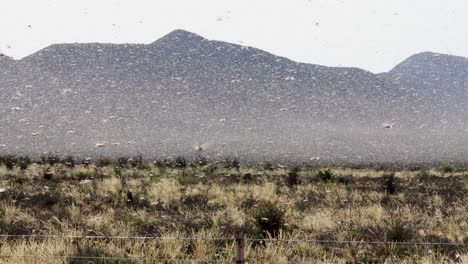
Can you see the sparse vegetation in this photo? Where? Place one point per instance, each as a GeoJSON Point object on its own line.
{"type": "Point", "coordinates": [132, 197]}
{"type": "Point", "coordinates": [326, 175]}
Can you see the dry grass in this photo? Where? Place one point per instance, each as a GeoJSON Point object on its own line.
{"type": "Point", "coordinates": [213, 201]}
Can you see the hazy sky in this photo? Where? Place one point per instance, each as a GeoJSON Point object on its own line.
{"type": "Point", "coordinates": [371, 34]}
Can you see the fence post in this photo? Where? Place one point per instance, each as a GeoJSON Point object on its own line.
{"type": "Point", "coordinates": [240, 248]}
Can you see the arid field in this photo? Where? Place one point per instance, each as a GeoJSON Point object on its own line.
{"type": "Point", "coordinates": [134, 211]}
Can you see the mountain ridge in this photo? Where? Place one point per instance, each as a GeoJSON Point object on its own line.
{"type": "Point", "coordinates": [183, 89]}
{"type": "Point", "coordinates": [184, 35]}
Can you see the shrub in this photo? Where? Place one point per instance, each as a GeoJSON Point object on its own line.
{"type": "Point", "coordinates": [49, 199]}
{"type": "Point", "coordinates": [136, 161]}
{"type": "Point", "coordinates": [198, 222]}
{"type": "Point", "coordinates": [248, 178]}
{"type": "Point", "coordinates": [293, 177]}
{"type": "Point", "coordinates": [69, 161]}
{"type": "Point", "coordinates": [167, 191]}
{"type": "Point", "coordinates": [48, 175]}
{"type": "Point", "coordinates": [95, 252]}
{"type": "Point", "coordinates": [23, 162]}
{"type": "Point", "coordinates": [122, 161]}
{"type": "Point", "coordinates": [198, 200]}
{"type": "Point", "coordinates": [180, 162]}
{"type": "Point", "coordinates": [390, 184]}
{"type": "Point", "coordinates": [104, 161]}
{"type": "Point", "coordinates": [9, 161]}
{"type": "Point", "coordinates": [447, 168]}
{"type": "Point", "coordinates": [201, 161]}
{"type": "Point", "coordinates": [268, 218]}
{"type": "Point", "coordinates": [16, 228]}
{"type": "Point", "coordinates": [82, 173]}
{"type": "Point", "coordinates": [268, 165]}
{"type": "Point", "coordinates": [160, 163]}
{"type": "Point", "coordinates": [50, 159]}
{"type": "Point", "coordinates": [326, 175]}
{"type": "Point", "coordinates": [397, 232]}
{"type": "Point", "coordinates": [109, 186]}
{"type": "Point", "coordinates": [147, 228]}
{"type": "Point", "coordinates": [249, 202]}
{"type": "Point", "coordinates": [190, 180]}
{"type": "Point", "coordinates": [232, 164]}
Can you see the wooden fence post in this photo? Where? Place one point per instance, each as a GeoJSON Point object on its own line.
{"type": "Point", "coordinates": [240, 259]}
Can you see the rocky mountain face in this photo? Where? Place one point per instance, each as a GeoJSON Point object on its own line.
{"type": "Point", "coordinates": [163, 98]}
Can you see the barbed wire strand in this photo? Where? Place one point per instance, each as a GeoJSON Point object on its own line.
{"type": "Point", "coordinates": [355, 242]}
{"type": "Point", "coordinates": [120, 237]}
{"type": "Point", "coordinates": [107, 258]}
{"type": "Point", "coordinates": [58, 236]}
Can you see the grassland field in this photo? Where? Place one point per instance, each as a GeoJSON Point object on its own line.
{"type": "Point", "coordinates": [180, 199]}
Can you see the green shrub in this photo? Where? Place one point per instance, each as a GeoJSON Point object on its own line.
{"type": "Point", "coordinates": [69, 161]}
{"type": "Point", "coordinates": [122, 162]}
{"type": "Point", "coordinates": [232, 164]}
{"type": "Point", "coordinates": [190, 179]}
{"type": "Point", "coordinates": [326, 175]}
{"type": "Point", "coordinates": [197, 222]}
{"type": "Point", "coordinates": [136, 161]}
{"type": "Point", "coordinates": [390, 184]}
{"type": "Point", "coordinates": [94, 252]}
{"type": "Point", "coordinates": [268, 218]}
{"type": "Point", "coordinates": [23, 162]}
{"type": "Point", "coordinates": [201, 161]}
{"type": "Point", "coordinates": [292, 179]}
{"type": "Point", "coordinates": [195, 201]}
{"type": "Point", "coordinates": [104, 161]}
{"type": "Point", "coordinates": [398, 232]}
{"type": "Point", "coordinates": [447, 168]}
{"type": "Point", "coordinates": [147, 228]}
{"type": "Point", "coordinates": [267, 166]}
{"type": "Point", "coordinates": [180, 162]}
{"type": "Point", "coordinates": [50, 159]}
{"type": "Point", "coordinates": [9, 161]}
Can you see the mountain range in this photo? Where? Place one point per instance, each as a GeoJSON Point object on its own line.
{"type": "Point", "coordinates": [163, 98]}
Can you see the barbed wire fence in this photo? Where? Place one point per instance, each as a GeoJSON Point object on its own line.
{"type": "Point", "coordinates": [239, 240]}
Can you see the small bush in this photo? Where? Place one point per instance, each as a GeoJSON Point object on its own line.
{"type": "Point", "coordinates": [248, 178]}
{"type": "Point", "coordinates": [390, 184]}
{"type": "Point", "coordinates": [195, 201]}
{"type": "Point", "coordinates": [447, 168]}
{"type": "Point", "coordinates": [326, 175]}
{"type": "Point", "coordinates": [95, 252]}
{"type": "Point", "coordinates": [49, 199]}
{"type": "Point", "coordinates": [104, 161]}
{"type": "Point", "coordinates": [147, 228]}
{"type": "Point", "coordinates": [201, 161]}
{"type": "Point", "coordinates": [232, 164]}
{"type": "Point", "coordinates": [293, 177]}
{"type": "Point", "coordinates": [180, 162]}
{"type": "Point", "coordinates": [397, 232]}
{"type": "Point", "coordinates": [268, 218]}
{"type": "Point", "coordinates": [249, 203]}
{"type": "Point", "coordinates": [48, 175]}
{"type": "Point", "coordinates": [136, 161]}
{"type": "Point", "coordinates": [122, 162]}
{"type": "Point", "coordinates": [50, 159]}
{"type": "Point", "coordinates": [190, 180]}
{"type": "Point", "coordinates": [9, 161]}
{"type": "Point", "coordinates": [69, 161]}
{"type": "Point", "coordinates": [197, 222]}
{"type": "Point", "coordinates": [267, 165]}
{"type": "Point", "coordinates": [23, 162]}
{"type": "Point", "coordinates": [16, 228]}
